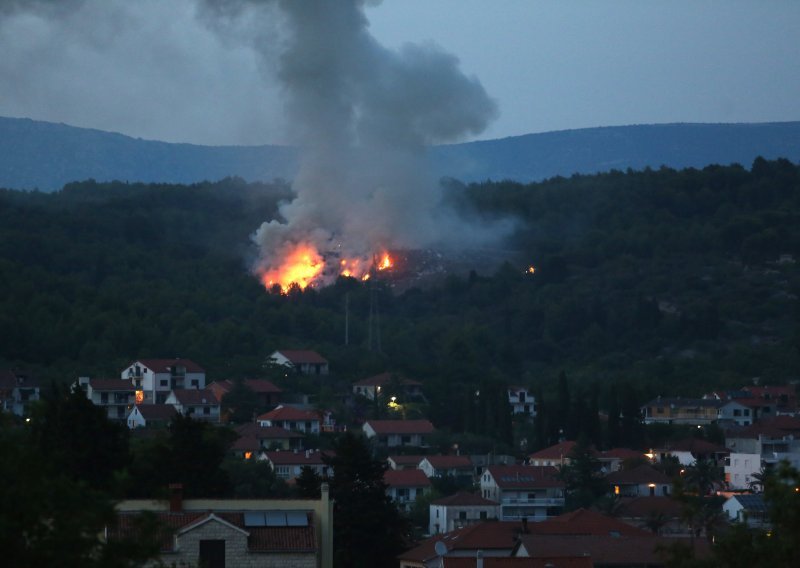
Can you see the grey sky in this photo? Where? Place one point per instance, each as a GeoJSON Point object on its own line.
{"type": "Point", "coordinates": [153, 69]}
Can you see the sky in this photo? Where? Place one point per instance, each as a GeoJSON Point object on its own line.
{"type": "Point", "coordinates": [177, 72]}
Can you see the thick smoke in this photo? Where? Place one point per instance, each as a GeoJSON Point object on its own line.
{"type": "Point", "coordinates": [362, 116]}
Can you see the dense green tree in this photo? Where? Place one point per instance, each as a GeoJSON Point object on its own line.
{"type": "Point", "coordinates": [584, 484]}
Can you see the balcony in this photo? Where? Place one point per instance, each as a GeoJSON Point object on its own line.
{"type": "Point", "coordinates": [543, 502]}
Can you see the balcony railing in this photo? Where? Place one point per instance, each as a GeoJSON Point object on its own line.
{"type": "Point", "coordinates": [544, 502]}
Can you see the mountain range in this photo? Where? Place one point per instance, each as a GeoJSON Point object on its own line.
{"type": "Point", "coordinates": [45, 156]}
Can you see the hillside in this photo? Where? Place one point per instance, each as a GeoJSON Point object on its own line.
{"type": "Point", "coordinates": [46, 156]}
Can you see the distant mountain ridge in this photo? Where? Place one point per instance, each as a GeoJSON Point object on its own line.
{"type": "Point", "coordinates": [45, 156]}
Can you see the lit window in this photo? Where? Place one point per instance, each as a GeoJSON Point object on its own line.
{"type": "Point", "coordinates": [139, 397]}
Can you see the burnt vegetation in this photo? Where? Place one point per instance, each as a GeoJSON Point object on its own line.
{"type": "Point", "coordinates": [686, 278]}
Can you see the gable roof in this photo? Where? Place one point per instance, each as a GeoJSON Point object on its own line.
{"type": "Point", "coordinates": [282, 412]}
{"type": "Point", "coordinates": [751, 502]}
{"type": "Point", "coordinates": [111, 385]}
{"type": "Point", "coordinates": [406, 460]}
{"type": "Point", "coordinates": [383, 379]}
{"type": "Point", "coordinates": [524, 476]}
{"type": "Point", "coordinates": [519, 562]}
{"type": "Point", "coordinates": [195, 397]}
{"type": "Point", "coordinates": [405, 478]}
{"type": "Point", "coordinates": [300, 356]}
{"type": "Point", "coordinates": [259, 386]}
{"type": "Point", "coordinates": [679, 402]}
{"type": "Point", "coordinates": [638, 475]}
{"type": "Point", "coordinates": [620, 454]}
{"type": "Point", "coordinates": [644, 507]}
{"type": "Point", "coordinates": [11, 379]}
{"type": "Point", "coordinates": [155, 412]}
{"type": "Point", "coordinates": [164, 365]}
{"type": "Point", "coordinates": [696, 446]}
{"type": "Point", "coordinates": [562, 450]}
{"type": "Point", "coordinates": [258, 432]}
{"type": "Point", "coordinates": [301, 458]}
{"type": "Point", "coordinates": [464, 499]}
{"type": "Point", "coordinates": [586, 522]}
{"type": "Point", "coordinates": [490, 535]}
{"type": "Point", "coordinates": [400, 426]}
{"type": "Point", "coordinates": [449, 462]}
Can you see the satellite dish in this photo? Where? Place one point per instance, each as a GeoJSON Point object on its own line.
{"type": "Point", "coordinates": [440, 548]}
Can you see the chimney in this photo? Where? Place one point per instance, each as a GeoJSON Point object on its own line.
{"type": "Point", "coordinates": [175, 497]}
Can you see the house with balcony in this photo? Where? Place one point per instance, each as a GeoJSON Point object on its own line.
{"type": "Point", "coordinates": [734, 412]}
{"type": "Point", "coordinates": [199, 404]}
{"type": "Point", "coordinates": [641, 481]}
{"type": "Point", "coordinates": [395, 433]}
{"type": "Point", "coordinates": [442, 466]}
{"type": "Point", "coordinates": [774, 439]}
{"type": "Point", "coordinates": [304, 362]}
{"type": "Point", "coordinates": [291, 418]}
{"type": "Point", "coordinates": [153, 379]}
{"type": "Point", "coordinates": [377, 385]}
{"type": "Point", "coordinates": [521, 401]}
{"type": "Point", "coordinates": [691, 411]}
{"type": "Point", "coordinates": [254, 438]}
{"type": "Point", "coordinates": [526, 492]}
{"type": "Point", "coordinates": [460, 510]}
{"type": "Point", "coordinates": [405, 485]}
{"type": "Point", "coordinates": [150, 416]}
{"type": "Point", "coordinates": [289, 465]}
{"type": "Point", "coordinates": [17, 389]}
{"type": "Point", "coordinates": [690, 450]}
{"type": "Point", "coordinates": [556, 455]}
{"type": "Point", "coordinates": [116, 396]}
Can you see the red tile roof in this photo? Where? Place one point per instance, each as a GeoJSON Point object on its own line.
{"type": "Point", "coordinates": [282, 412]}
{"type": "Point", "coordinates": [400, 426]}
{"type": "Point", "coordinates": [405, 461]}
{"type": "Point", "coordinates": [775, 427]}
{"type": "Point", "coordinates": [644, 507]}
{"type": "Point", "coordinates": [301, 457]}
{"type": "Point", "coordinates": [585, 522]}
{"type": "Point", "coordinates": [620, 454]}
{"type": "Point", "coordinates": [299, 357]}
{"type": "Point", "coordinates": [638, 475]}
{"type": "Point", "coordinates": [696, 446]}
{"type": "Point", "coordinates": [164, 365]}
{"type": "Point", "coordinates": [490, 535]}
{"type": "Point", "coordinates": [405, 478]}
{"type": "Point", "coordinates": [449, 462]}
{"type": "Point", "coordinates": [195, 397]}
{"type": "Point", "coordinates": [383, 379]}
{"type": "Point", "coordinates": [260, 386]}
{"type": "Point", "coordinates": [524, 476]}
{"type": "Point", "coordinates": [258, 432]}
{"type": "Point", "coordinates": [519, 562]}
{"type": "Point", "coordinates": [111, 385]}
{"type": "Point", "coordinates": [155, 412]}
{"type": "Point", "coordinates": [464, 499]}
{"type": "Point", "coordinates": [561, 450]}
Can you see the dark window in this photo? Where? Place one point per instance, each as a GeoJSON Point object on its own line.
{"type": "Point", "coordinates": [206, 410]}
{"type": "Point", "coordinates": [462, 515]}
{"type": "Point", "coordinates": [195, 383]}
{"type": "Point", "coordinates": [737, 412]}
{"type": "Point", "coordinates": [212, 553]}
{"type": "Point", "coordinates": [484, 515]}
{"type": "Point", "coordinates": [405, 439]}
{"type": "Point", "coordinates": [104, 397]}
{"type": "Point", "coordinates": [164, 382]}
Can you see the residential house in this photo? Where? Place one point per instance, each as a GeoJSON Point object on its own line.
{"type": "Point", "coordinates": [304, 362]}
{"type": "Point", "coordinates": [17, 389]}
{"type": "Point", "coordinates": [734, 412]}
{"type": "Point", "coordinates": [405, 485]}
{"type": "Point", "coordinates": [254, 438]}
{"type": "Point", "coordinates": [740, 469]}
{"type": "Point", "coordinates": [289, 465]}
{"type": "Point", "coordinates": [150, 415]}
{"type": "Point", "coordinates": [641, 481]}
{"type": "Point", "coordinates": [153, 379]}
{"type": "Point", "coordinates": [291, 418]}
{"type": "Point", "coordinates": [459, 510]}
{"type": "Point", "coordinates": [779, 399]}
{"type": "Point", "coordinates": [749, 509]}
{"type": "Point", "coordinates": [377, 385]}
{"type": "Point", "coordinates": [556, 455]}
{"type": "Point", "coordinates": [395, 433]}
{"type": "Point", "coordinates": [442, 466]}
{"type": "Point", "coordinates": [199, 404]}
{"type": "Point", "coordinates": [689, 450]}
{"type": "Point", "coordinates": [521, 401]}
{"type": "Point", "coordinates": [494, 562]}
{"type": "Point", "coordinates": [774, 439]}
{"type": "Point", "coordinates": [266, 393]}
{"type": "Point", "coordinates": [692, 411]}
{"type": "Point", "coordinates": [659, 515]}
{"type": "Point", "coordinates": [116, 396]}
{"type": "Point", "coordinates": [613, 459]}
{"type": "Point", "coordinates": [399, 462]}
{"type": "Point", "coordinates": [523, 491]}
{"type": "Point", "coordinates": [247, 533]}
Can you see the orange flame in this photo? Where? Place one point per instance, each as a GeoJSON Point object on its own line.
{"type": "Point", "coordinates": [301, 265]}
{"type": "Point", "coordinates": [386, 262]}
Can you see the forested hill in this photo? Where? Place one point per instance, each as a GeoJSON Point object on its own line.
{"type": "Point", "coordinates": [46, 156]}
{"type": "Point", "coordinates": [670, 280]}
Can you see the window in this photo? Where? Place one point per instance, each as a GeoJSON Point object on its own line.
{"type": "Point", "coordinates": [212, 553]}
{"type": "Point", "coordinates": [484, 515]}
{"type": "Point", "coordinates": [747, 412]}
{"type": "Point", "coordinates": [195, 383]}
{"type": "Point", "coordinates": [462, 515]}
{"type": "Point", "coordinates": [206, 410]}
{"type": "Point", "coordinates": [737, 412]}
{"type": "Point", "coordinates": [405, 439]}
{"type": "Point", "coordinates": [164, 382]}
{"type": "Point", "coordinates": [104, 398]}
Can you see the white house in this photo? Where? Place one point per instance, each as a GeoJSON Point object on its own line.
{"type": "Point", "coordinates": [290, 418]}
{"type": "Point", "coordinates": [733, 412]}
{"type": "Point", "coordinates": [17, 389]}
{"type": "Point", "coordinates": [394, 433]}
{"type": "Point", "coordinates": [521, 401]}
{"type": "Point", "coordinates": [376, 385]}
{"type": "Point", "coordinates": [748, 509]}
{"type": "Point", "coordinates": [144, 415]}
{"type": "Point", "coordinates": [289, 465]}
{"type": "Point", "coordinates": [441, 466]}
{"type": "Point", "coordinates": [641, 481]}
{"type": "Point", "coordinates": [460, 510]}
{"type": "Point", "coordinates": [116, 396]}
{"type": "Point", "coordinates": [740, 468]}
{"type": "Point", "coordinates": [304, 362]}
{"type": "Point", "coordinates": [405, 485]}
{"type": "Point", "coordinates": [198, 404]}
{"type": "Point", "coordinates": [153, 379]}
{"type": "Point", "coordinates": [523, 491]}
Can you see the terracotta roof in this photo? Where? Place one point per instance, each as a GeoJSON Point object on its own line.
{"type": "Point", "coordinates": [585, 522]}
{"type": "Point", "coordinates": [643, 507]}
{"type": "Point", "coordinates": [620, 453]}
{"type": "Point", "coordinates": [775, 427]}
{"type": "Point", "coordinates": [638, 475]}
{"type": "Point", "coordinates": [405, 478]}
{"type": "Point", "coordinates": [261, 386]}
{"type": "Point", "coordinates": [303, 356]}
{"type": "Point", "coordinates": [111, 385]}
{"type": "Point", "coordinates": [246, 444]}
{"type": "Point", "coordinates": [155, 412]}
{"type": "Point", "coordinates": [696, 446]}
{"type": "Point", "coordinates": [524, 476]}
{"type": "Point", "coordinates": [260, 539]}
{"type": "Point", "coordinates": [519, 562]}
{"type": "Point", "coordinates": [774, 393]}
{"type": "Point", "coordinates": [282, 412]}
{"type": "Point", "coordinates": [11, 379]}
{"type": "Point", "coordinates": [686, 402]}
{"type": "Point", "coordinates": [301, 457]}
{"type": "Point", "coordinates": [605, 550]}
{"type": "Point", "coordinates": [449, 462]}
{"type": "Point", "coordinates": [558, 451]}
{"type": "Point", "coordinates": [400, 426]}
{"type": "Point", "coordinates": [404, 461]}
{"type": "Point", "coordinates": [384, 379]}
{"type": "Point", "coordinates": [464, 499]}
{"type": "Point", "coordinates": [489, 535]}
{"type": "Point", "coordinates": [164, 365]}
{"type": "Point", "coordinates": [251, 429]}
{"type": "Point", "coordinates": [195, 397]}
